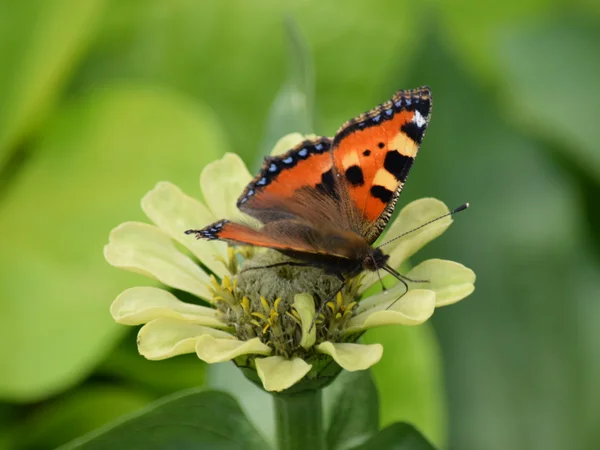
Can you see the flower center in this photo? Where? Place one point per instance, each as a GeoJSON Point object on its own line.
{"type": "Point", "coordinates": [258, 301]}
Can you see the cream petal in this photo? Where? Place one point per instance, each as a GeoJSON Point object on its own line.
{"type": "Point", "coordinates": [174, 213]}
{"type": "Point", "coordinates": [278, 373]}
{"type": "Point", "coordinates": [140, 305]}
{"type": "Point", "coordinates": [145, 249]}
{"type": "Point", "coordinates": [164, 338]}
{"type": "Point", "coordinates": [385, 297]}
{"type": "Point", "coordinates": [288, 142]}
{"type": "Point", "coordinates": [213, 350]}
{"type": "Point", "coordinates": [410, 217]}
{"type": "Point", "coordinates": [305, 305]}
{"type": "Point", "coordinates": [352, 357]}
{"type": "Point", "coordinates": [450, 280]}
{"type": "Point", "coordinates": [414, 308]}
{"type": "Point", "coordinates": [222, 182]}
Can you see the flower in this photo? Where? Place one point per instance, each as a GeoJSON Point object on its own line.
{"type": "Point", "coordinates": [264, 320]}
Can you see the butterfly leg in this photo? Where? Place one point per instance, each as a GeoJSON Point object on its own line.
{"type": "Point", "coordinates": [331, 297]}
{"type": "Point", "coordinates": [383, 288]}
{"type": "Point", "coordinates": [279, 264]}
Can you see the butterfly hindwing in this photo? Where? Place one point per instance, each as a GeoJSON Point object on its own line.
{"type": "Point", "coordinates": [374, 152]}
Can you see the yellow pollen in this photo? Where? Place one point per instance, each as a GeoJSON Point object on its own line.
{"type": "Point", "coordinates": [339, 300]}
{"type": "Point", "coordinates": [261, 316]}
{"type": "Point", "coordinates": [264, 303]}
{"type": "Point", "coordinates": [255, 322]}
{"type": "Point", "coordinates": [246, 305]}
{"type": "Point", "coordinates": [331, 306]}
{"type": "Point", "coordinates": [217, 298]}
{"type": "Point", "coordinates": [226, 283]}
{"type": "Point", "coordinates": [350, 306]}
{"type": "Point", "coordinates": [338, 316]}
{"type": "Point", "coordinates": [276, 303]}
{"type": "Point", "coordinates": [266, 327]}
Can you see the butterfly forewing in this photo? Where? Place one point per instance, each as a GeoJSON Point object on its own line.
{"type": "Point", "coordinates": [374, 152]}
{"type": "Point", "coordinates": [308, 165]}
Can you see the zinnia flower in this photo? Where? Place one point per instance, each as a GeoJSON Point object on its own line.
{"type": "Point", "coordinates": [264, 320]}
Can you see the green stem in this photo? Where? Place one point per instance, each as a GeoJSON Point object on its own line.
{"type": "Point", "coordinates": [299, 421]}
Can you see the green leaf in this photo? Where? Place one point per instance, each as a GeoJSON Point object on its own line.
{"type": "Point", "coordinates": [192, 419]}
{"type": "Point", "coordinates": [94, 161]}
{"type": "Point", "coordinates": [409, 379]}
{"type": "Point", "coordinates": [398, 436]}
{"type": "Point", "coordinates": [546, 94]}
{"type": "Point", "coordinates": [255, 402]}
{"type": "Point", "coordinates": [40, 42]}
{"type": "Point", "coordinates": [292, 109]}
{"type": "Point", "coordinates": [352, 410]}
{"type": "Point", "coordinates": [79, 412]}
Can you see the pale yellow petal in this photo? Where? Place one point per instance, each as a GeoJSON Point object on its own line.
{"type": "Point", "coordinates": [164, 338]}
{"type": "Point", "coordinates": [410, 217]}
{"type": "Point", "coordinates": [140, 305]}
{"type": "Point", "coordinates": [174, 213]}
{"type": "Point", "coordinates": [383, 297]}
{"type": "Point", "coordinates": [222, 183]}
{"type": "Point", "coordinates": [278, 373]}
{"type": "Point", "coordinates": [288, 142]}
{"type": "Point", "coordinates": [305, 305]}
{"type": "Point", "coordinates": [214, 350]}
{"type": "Point", "coordinates": [352, 356]}
{"type": "Point", "coordinates": [450, 280]}
{"type": "Point", "coordinates": [413, 308]}
{"type": "Point", "coordinates": [145, 249]}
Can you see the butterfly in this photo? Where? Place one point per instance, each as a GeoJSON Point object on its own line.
{"type": "Point", "coordinates": [325, 201]}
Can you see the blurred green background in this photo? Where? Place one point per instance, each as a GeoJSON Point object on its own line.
{"type": "Point", "coordinates": [101, 99]}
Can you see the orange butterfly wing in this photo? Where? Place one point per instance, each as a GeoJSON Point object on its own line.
{"type": "Point", "coordinates": [309, 164]}
{"type": "Point", "coordinates": [288, 236]}
{"type": "Point", "coordinates": [374, 152]}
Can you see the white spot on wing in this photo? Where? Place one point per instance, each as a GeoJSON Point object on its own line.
{"type": "Point", "coordinates": [418, 119]}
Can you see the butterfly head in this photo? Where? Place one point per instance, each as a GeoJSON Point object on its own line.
{"type": "Point", "coordinates": [375, 260]}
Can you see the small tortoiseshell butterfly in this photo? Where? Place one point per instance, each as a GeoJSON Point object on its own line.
{"type": "Point", "coordinates": [326, 201]}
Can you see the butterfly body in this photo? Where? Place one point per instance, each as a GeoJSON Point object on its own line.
{"type": "Point", "coordinates": [326, 201]}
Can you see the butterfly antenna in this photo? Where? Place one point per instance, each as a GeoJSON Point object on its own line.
{"type": "Point", "coordinates": [401, 277]}
{"type": "Point", "coordinates": [454, 211]}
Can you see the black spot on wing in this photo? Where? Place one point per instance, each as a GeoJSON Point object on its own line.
{"type": "Point", "coordinates": [381, 145]}
{"type": "Point", "coordinates": [354, 175]}
{"type": "Point", "coordinates": [383, 194]}
{"type": "Point", "coordinates": [327, 184]}
{"type": "Point", "coordinates": [413, 131]}
{"type": "Point", "coordinates": [397, 164]}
